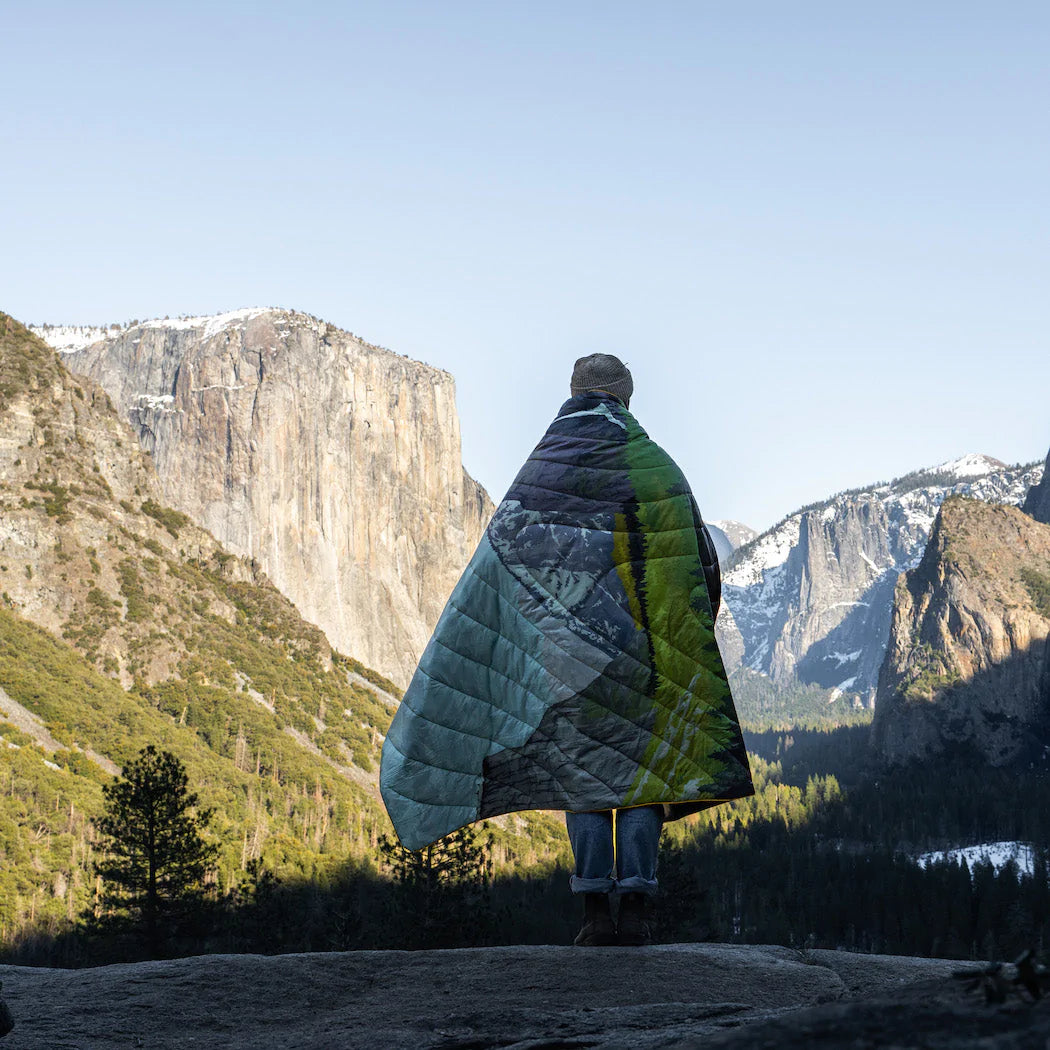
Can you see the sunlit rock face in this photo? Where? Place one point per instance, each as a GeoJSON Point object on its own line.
{"type": "Point", "coordinates": [968, 661]}
{"type": "Point", "coordinates": [336, 464]}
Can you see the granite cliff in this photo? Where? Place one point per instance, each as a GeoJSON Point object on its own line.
{"type": "Point", "coordinates": [334, 464]}
{"type": "Point", "coordinates": [968, 661]}
{"type": "Point", "coordinates": [124, 624]}
{"type": "Point", "coordinates": [1037, 503]}
{"type": "Point", "coordinates": [812, 597]}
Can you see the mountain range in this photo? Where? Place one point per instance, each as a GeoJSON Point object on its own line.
{"type": "Point", "coordinates": [320, 457]}
{"type": "Point", "coordinates": [811, 598]}
{"type": "Point", "coordinates": [231, 536]}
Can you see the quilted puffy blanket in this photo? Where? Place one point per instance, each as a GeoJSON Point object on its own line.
{"type": "Point", "coordinates": [575, 665]}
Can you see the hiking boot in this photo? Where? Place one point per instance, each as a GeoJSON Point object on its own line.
{"type": "Point", "coordinates": [597, 928]}
{"type": "Point", "coordinates": [634, 924]}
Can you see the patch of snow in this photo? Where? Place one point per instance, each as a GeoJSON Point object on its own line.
{"type": "Point", "coordinates": [69, 338]}
{"type": "Point", "coordinates": [872, 564]}
{"type": "Point", "coordinates": [212, 323]}
{"type": "Point", "coordinates": [736, 531]}
{"type": "Point", "coordinates": [769, 552]}
{"type": "Point", "coordinates": [841, 688]}
{"type": "Point", "coordinates": [995, 853]}
{"type": "Point", "coordinates": [845, 658]}
{"type": "Point", "coordinates": [154, 402]}
{"type": "Point", "coordinates": [972, 465]}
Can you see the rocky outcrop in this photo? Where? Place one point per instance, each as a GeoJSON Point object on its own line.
{"type": "Point", "coordinates": [523, 997]}
{"type": "Point", "coordinates": [1037, 503]}
{"type": "Point", "coordinates": [728, 537]}
{"type": "Point", "coordinates": [335, 464]}
{"type": "Point", "coordinates": [967, 662]}
{"type": "Point", "coordinates": [812, 596]}
{"type": "Point", "coordinates": [730, 641]}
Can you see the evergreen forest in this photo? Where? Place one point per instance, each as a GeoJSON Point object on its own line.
{"type": "Point", "coordinates": [823, 855]}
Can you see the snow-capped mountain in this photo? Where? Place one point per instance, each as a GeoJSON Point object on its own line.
{"type": "Point", "coordinates": [728, 536]}
{"type": "Point", "coordinates": [812, 596]}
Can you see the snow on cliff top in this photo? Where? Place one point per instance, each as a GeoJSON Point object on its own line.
{"type": "Point", "coordinates": [68, 338]}
{"type": "Point", "coordinates": [737, 532]}
{"type": "Point", "coordinates": [972, 465]}
{"type": "Point", "coordinates": [918, 502]}
{"type": "Point", "coordinates": [211, 323]}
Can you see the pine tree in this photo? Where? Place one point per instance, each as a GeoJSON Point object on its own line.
{"type": "Point", "coordinates": [443, 896]}
{"type": "Point", "coordinates": [156, 857]}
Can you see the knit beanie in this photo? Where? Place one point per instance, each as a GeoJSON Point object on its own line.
{"type": "Point", "coordinates": [602, 372]}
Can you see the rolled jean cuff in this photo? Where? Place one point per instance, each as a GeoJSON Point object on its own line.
{"type": "Point", "coordinates": [636, 884]}
{"type": "Point", "coordinates": [580, 885]}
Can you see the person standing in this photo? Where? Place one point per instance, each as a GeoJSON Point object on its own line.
{"type": "Point", "coordinates": [575, 666]}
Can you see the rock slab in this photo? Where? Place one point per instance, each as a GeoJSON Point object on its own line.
{"type": "Point", "coordinates": [520, 997]}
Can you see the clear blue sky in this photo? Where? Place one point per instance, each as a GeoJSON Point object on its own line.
{"type": "Point", "coordinates": [817, 232]}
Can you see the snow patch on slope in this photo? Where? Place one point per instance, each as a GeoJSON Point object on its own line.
{"type": "Point", "coordinates": [998, 854]}
{"type": "Point", "coordinates": [972, 465]}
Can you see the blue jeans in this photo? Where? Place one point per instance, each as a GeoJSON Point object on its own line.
{"type": "Point", "coordinates": [631, 866]}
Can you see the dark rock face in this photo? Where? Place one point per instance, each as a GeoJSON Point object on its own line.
{"type": "Point", "coordinates": [7, 1022]}
{"type": "Point", "coordinates": [968, 661]}
{"type": "Point", "coordinates": [931, 1015]}
{"type": "Point", "coordinates": [1038, 501]}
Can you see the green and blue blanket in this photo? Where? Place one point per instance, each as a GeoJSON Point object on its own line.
{"type": "Point", "coordinates": [575, 665]}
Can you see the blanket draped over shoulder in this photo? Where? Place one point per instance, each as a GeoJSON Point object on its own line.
{"type": "Point", "coordinates": [575, 665]}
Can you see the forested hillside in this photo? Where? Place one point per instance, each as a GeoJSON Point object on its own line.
{"type": "Point", "coordinates": [122, 624]}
